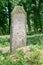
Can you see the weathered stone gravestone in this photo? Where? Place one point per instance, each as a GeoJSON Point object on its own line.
{"type": "Point", "coordinates": [18, 28]}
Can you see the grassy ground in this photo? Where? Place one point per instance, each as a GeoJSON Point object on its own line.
{"type": "Point", "coordinates": [35, 39]}
{"type": "Point", "coordinates": [31, 40]}
{"type": "Point", "coordinates": [21, 58]}
{"type": "Point", "coordinates": [4, 40]}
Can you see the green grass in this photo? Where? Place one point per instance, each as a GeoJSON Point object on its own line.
{"type": "Point", "coordinates": [4, 40]}
{"type": "Point", "coordinates": [35, 39]}
{"type": "Point", "coordinates": [31, 40]}
{"type": "Point", "coordinates": [36, 43]}
{"type": "Point", "coordinates": [20, 58]}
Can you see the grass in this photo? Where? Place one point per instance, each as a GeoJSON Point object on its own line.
{"type": "Point", "coordinates": [4, 40]}
{"type": "Point", "coordinates": [35, 39]}
{"type": "Point", "coordinates": [20, 58]}
{"type": "Point", "coordinates": [31, 40]}
{"type": "Point", "coordinates": [36, 43]}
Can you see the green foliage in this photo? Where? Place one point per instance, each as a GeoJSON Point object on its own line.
{"type": "Point", "coordinates": [35, 39]}
{"type": "Point", "coordinates": [4, 40]}
{"type": "Point", "coordinates": [20, 58]}
{"type": "Point", "coordinates": [3, 18]}
{"type": "Point", "coordinates": [19, 55]}
{"type": "Point", "coordinates": [33, 8]}
{"type": "Point", "coordinates": [35, 56]}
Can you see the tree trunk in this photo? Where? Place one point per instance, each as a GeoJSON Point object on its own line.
{"type": "Point", "coordinates": [35, 20]}
{"type": "Point", "coordinates": [35, 16]}
{"type": "Point", "coordinates": [9, 13]}
{"type": "Point", "coordinates": [28, 22]}
{"type": "Point", "coordinates": [39, 19]}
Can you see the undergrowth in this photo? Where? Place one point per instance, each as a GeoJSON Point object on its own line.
{"type": "Point", "coordinates": [20, 58]}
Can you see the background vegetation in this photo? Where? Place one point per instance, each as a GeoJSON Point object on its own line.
{"type": "Point", "coordinates": [33, 8]}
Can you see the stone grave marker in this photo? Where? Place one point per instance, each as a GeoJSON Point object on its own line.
{"type": "Point", "coordinates": [18, 28]}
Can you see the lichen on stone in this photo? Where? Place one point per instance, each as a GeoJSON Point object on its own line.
{"type": "Point", "coordinates": [18, 9]}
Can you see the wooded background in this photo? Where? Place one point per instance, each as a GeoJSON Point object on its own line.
{"type": "Point", "coordinates": [33, 8]}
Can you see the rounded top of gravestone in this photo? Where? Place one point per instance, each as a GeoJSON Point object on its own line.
{"type": "Point", "coordinates": [18, 9]}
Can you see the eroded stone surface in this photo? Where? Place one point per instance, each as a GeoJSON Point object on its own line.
{"type": "Point", "coordinates": [18, 28]}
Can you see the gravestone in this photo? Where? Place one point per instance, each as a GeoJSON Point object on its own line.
{"type": "Point", "coordinates": [18, 28]}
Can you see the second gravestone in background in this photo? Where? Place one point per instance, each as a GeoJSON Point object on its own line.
{"type": "Point", "coordinates": [18, 28]}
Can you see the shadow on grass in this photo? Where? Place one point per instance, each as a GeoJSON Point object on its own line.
{"type": "Point", "coordinates": [35, 39]}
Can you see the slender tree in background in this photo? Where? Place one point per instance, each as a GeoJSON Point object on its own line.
{"type": "Point", "coordinates": [9, 13]}
{"type": "Point", "coordinates": [37, 19]}
{"type": "Point", "coordinates": [39, 9]}
{"type": "Point", "coordinates": [3, 18]}
{"type": "Point", "coordinates": [35, 16]}
{"type": "Point", "coordinates": [28, 21]}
